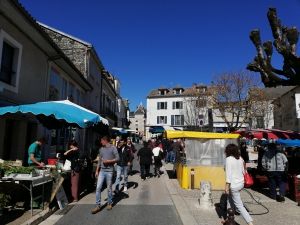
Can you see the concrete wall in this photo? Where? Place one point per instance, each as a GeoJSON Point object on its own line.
{"type": "Point", "coordinates": [33, 72]}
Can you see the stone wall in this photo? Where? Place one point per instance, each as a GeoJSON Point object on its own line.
{"type": "Point", "coordinates": [73, 49]}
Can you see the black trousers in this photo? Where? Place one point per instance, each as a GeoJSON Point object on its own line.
{"type": "Point", "coordinates": [145, 168]}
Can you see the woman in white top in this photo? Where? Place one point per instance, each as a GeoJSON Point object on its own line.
{"type": "Point", "coordinates": [157, 153]}
{"type": "Point", "coordinates": [235, 181]}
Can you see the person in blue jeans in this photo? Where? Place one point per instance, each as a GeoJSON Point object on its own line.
{"type": "Point", "coordinates": [123, 165]}
{"type": "Point", "coordinates": [108, 156]}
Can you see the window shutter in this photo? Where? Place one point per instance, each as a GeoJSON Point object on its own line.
{"type": "Point", "coordinates": [172, 119]}
{"type": "Point", "coordinates": [173, 105]}
{"type": "Point", "coordinates": [158, 105]}
{"type": "Point", "coordinates": [166, 105]}
{"type": "Point", "coordinates": [182, 119]}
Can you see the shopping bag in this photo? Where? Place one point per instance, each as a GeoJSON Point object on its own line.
{"type": "Point", "coordinates": [248, 180]}
{"type": "Point", "coordinates": [67, 165]}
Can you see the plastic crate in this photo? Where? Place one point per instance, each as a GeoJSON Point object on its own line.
{"type": "Point", "coordinates": [52, 161]}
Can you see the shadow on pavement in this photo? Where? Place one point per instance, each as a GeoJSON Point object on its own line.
{"type": "Point", "coordinates": [132, 184]}
{"type": "Point", "coordinates": [171, 174]}
{"type": "Point", "coordinates": [11, 215]}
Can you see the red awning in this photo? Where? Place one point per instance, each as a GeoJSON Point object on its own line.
{"type": "Point", "coordinates": [272, 134]}
{"type": "Point", "coordinates": [268, 134]}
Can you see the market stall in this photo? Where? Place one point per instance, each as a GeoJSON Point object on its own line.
{"type": "Point", "coordinates": [204, 158]}
{"type": "Point", "coordinates": [53, 115]}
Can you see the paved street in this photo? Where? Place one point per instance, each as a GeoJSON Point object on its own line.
{"type": "Point", "coordinates": [149, 202]}
{"type": "Point", "coordinates": [162, 201]}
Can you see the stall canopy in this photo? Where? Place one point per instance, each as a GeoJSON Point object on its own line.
{"type": "Point", "coordinates": [156, 129]}
{"type": "Point", "coordinates": [54, 114]}
{"type": "Point", "coordinates": [270, 134]}
{"type": "Point", "coordinates": [195, 134]}
{"type": "Point", "coordinates": [289, 143]}
{"type": "Point", "coordinates": [119, 130]}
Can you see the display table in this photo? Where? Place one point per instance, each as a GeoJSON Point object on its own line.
{"type": "Point", "coordinates": [29, 183]}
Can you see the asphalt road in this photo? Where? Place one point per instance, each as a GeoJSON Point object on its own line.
{"type": "Point", "coordinates": [148, 202]}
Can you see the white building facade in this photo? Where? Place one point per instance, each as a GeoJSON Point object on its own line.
{"type": "Point", "coordinates": [175, 108]}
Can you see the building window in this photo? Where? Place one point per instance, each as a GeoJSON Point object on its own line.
{"type": "Point", "coordinates": [162, 105]}
{"type": "Point", "coordinates": [177, 120]}
{"type": "Point", "coordinates": [201, 103]}
{"type": "Point", "coordinates": [260, 122]}
{"type": "Point", "coordinates": [162, 120]}
{"type": "Point", "coordinates": [177, 91]}
{"type": "Point", "coordinates": [162, 92]}
{"type": "Point", "coordinates": [55, 85]}
{"type": "Point", "coordinates": [10, 59]}
{"type": "Point", "coordinates": [177, 105]}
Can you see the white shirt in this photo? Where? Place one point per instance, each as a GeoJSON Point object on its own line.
{"type": "Point", "coordinates": [234, 171]}
{"type": "Point", "coordinates": [156, 151]}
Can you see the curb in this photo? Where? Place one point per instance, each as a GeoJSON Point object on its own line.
{"type": "Point", "coordinates": [182, 209]}
{"type": "Point", "coordinates": [40, 217]}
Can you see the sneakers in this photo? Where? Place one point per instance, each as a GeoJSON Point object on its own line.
{"type": "Point", "coordinates": [125, 189]}
{"type": "Point", "coordinates": [109, 207]}
{"type": "Point", "coordinates": [96, 209]}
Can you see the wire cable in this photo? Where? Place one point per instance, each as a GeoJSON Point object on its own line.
{"type": "Point", "coordinates": [258, 203]}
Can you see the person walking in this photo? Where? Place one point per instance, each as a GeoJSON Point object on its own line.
{"type": "Point", "coordinates": [108, 156]}
{"type": "Point", "coordinates": [72, 154]}
{"type": "Point", "coordinates": [131, 148]}
{"type": "Point", "coordinates": [274, 161]}
{"type": "Point", "coordinates": [234, 171]}
{"type": "Point", "coordinates": [122, 165]}
{"type": "Point", "coordinates": [157, 153]}
{"type": "Point", "coordinates": [145, 158]}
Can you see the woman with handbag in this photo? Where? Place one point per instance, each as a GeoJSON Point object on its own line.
{"type": "Point", "coordinates": [235, 171]}
{"type": "Point", "coordinates": [72, 154]}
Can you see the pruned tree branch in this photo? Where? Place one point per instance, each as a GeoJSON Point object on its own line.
{"type": "Point", "coordinates": [285, 43]}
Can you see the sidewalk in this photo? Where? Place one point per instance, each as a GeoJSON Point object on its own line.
{"type": "Point", "coordinates": [188, 207]}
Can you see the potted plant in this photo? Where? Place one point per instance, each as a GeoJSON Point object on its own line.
{"type": "Point", "coordinates": [4, 201]}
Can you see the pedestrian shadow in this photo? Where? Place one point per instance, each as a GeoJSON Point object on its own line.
{"type": "Point", "coordinates": [119, 197]}
{"type": "Point", "coordinates": [221, 208]}
{"type": "Point", "coordinates": [171, 174]}
{"type": "Point", "coordinates": [132, 184]}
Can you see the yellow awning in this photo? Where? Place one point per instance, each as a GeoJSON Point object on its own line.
{"type": "Point", "coordinates": [196, 134]}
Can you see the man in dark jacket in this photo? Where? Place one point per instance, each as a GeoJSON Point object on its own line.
{"type": "Point", "coordinates": [145, 158]}
{"type": "Point", "coordinates": [122, 165]}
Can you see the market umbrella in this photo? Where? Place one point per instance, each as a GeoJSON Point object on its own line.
{"type": "Point", "coordinates": [53, 114]}
{"type": "Point", "coordinates": [272, 134]}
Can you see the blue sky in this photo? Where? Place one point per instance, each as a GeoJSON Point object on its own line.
{"type": "Point", "coordinates": [162, 43]}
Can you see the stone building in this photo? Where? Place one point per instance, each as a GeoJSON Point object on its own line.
{"type": "Point", "coordinates": [33, 69]}
{"type": "Point", "coordinates": [286, 112]}
{"type": "Point", "coordinates": [263, 112]}
{"type": "Point", "coordinates": [138, 120]}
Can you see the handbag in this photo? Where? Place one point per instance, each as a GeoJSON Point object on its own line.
{"type": "Point", "coordinates": [248, 180]}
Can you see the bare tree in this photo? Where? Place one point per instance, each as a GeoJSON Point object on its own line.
{"type": "Point", "coordinates": [285, 42]}
{"type": "Point", "coordinates": [232, 100]}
